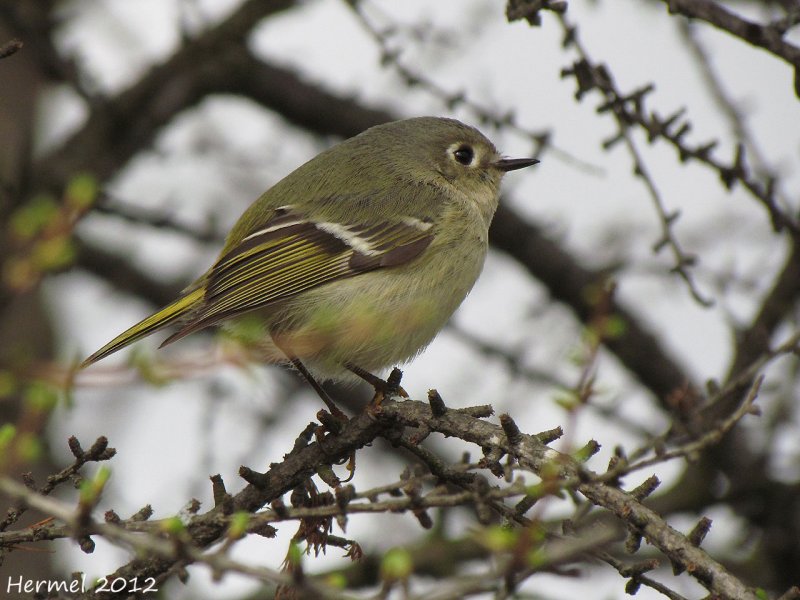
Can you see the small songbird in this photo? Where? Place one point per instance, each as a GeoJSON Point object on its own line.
{"type": "Point", "coordinates": [355, 260]}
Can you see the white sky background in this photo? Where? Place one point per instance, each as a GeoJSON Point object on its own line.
{"type": "Point", "coordinates": [217, 158]}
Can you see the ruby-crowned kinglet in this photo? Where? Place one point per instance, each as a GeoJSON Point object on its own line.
{"type": "Point", "coordinates": [355, 260]}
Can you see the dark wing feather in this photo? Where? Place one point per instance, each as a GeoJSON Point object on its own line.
{"type": "Point", "coordinates": [290, 255]}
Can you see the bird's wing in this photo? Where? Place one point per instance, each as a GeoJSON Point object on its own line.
{"type": "Point", "coordinates": [291, 253]}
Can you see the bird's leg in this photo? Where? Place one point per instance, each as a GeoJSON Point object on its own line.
{"type": "Point", "coordinates": [317, 388]}
{"type": "Point", "coordinates": [382, 388]}
{"type": "Point", "coordinates": [297, 364]}
{"type": "Point", "coordinates": [375, 381]}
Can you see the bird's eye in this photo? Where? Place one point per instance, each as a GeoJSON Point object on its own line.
{"type": "Point", "coordinates": [464, 155]}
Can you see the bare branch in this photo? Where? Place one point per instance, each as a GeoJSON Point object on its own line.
{"type": "Point", "coordinates": [763, 36]}
{"type": "Point", "coordinates": [10, 47]}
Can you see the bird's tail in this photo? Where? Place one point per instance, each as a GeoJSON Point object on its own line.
{"type": "Point", "coordinates": [168, 315]}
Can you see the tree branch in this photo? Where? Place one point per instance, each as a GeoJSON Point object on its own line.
{"type": "Point", "coordinates": [763, 36]}
{"type": "Point", "coordinates": [388, 420]}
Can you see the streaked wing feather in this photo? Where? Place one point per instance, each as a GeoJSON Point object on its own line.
{"type": "Point", "coordinates": [290, 255]}
{"type": "Point", "coordinates": [273, 260]}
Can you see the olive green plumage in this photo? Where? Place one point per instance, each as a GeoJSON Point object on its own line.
{"type": "Point", "coordinates": [357, 257]}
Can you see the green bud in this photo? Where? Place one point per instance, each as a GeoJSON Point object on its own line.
{"type": "Point", "coordinates": [336, 581]}
{"type": "Point", "coordinates": [81, 191]}
{"type": "Point", "coordinates": [8, 383]}
{"type": "Point", "coordinates": [173, 526]}
{"type": "Point", "coordinates": [238, 524]}
{"type": "Point", "coordinates": [536, 557]}
{"type": "Point", "coordinates": [31, 218]}
{"type": "Point", "coordinates": [40, 397]}
{"type": "Point", "coordinates": [294, 556]}
{"type": "Point", "coordinates": [53, 253]}
{"type": "Point", "coordinates": [498, 539]}
{"type": "Point", "coordinates": [397, 565]}
{"type": "Point", "coordinates": [91, 489]}
{"type": "Point", "coordinates": [29, 447]}
{"type": "Point", "coordinates": [7, 433]}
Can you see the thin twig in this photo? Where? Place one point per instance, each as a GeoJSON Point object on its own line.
{"type": "Point", "coordinates": [10, 47]}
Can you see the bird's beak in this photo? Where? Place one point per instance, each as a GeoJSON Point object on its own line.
{"type": "Point", "coordinates": [512, 164]}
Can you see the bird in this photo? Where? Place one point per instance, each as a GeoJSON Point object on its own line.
{"type": "Point", "coordinates": [354, 261]}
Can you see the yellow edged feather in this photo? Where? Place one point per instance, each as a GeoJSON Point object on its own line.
{"type": "Point", "coordinates": [166, 316]}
